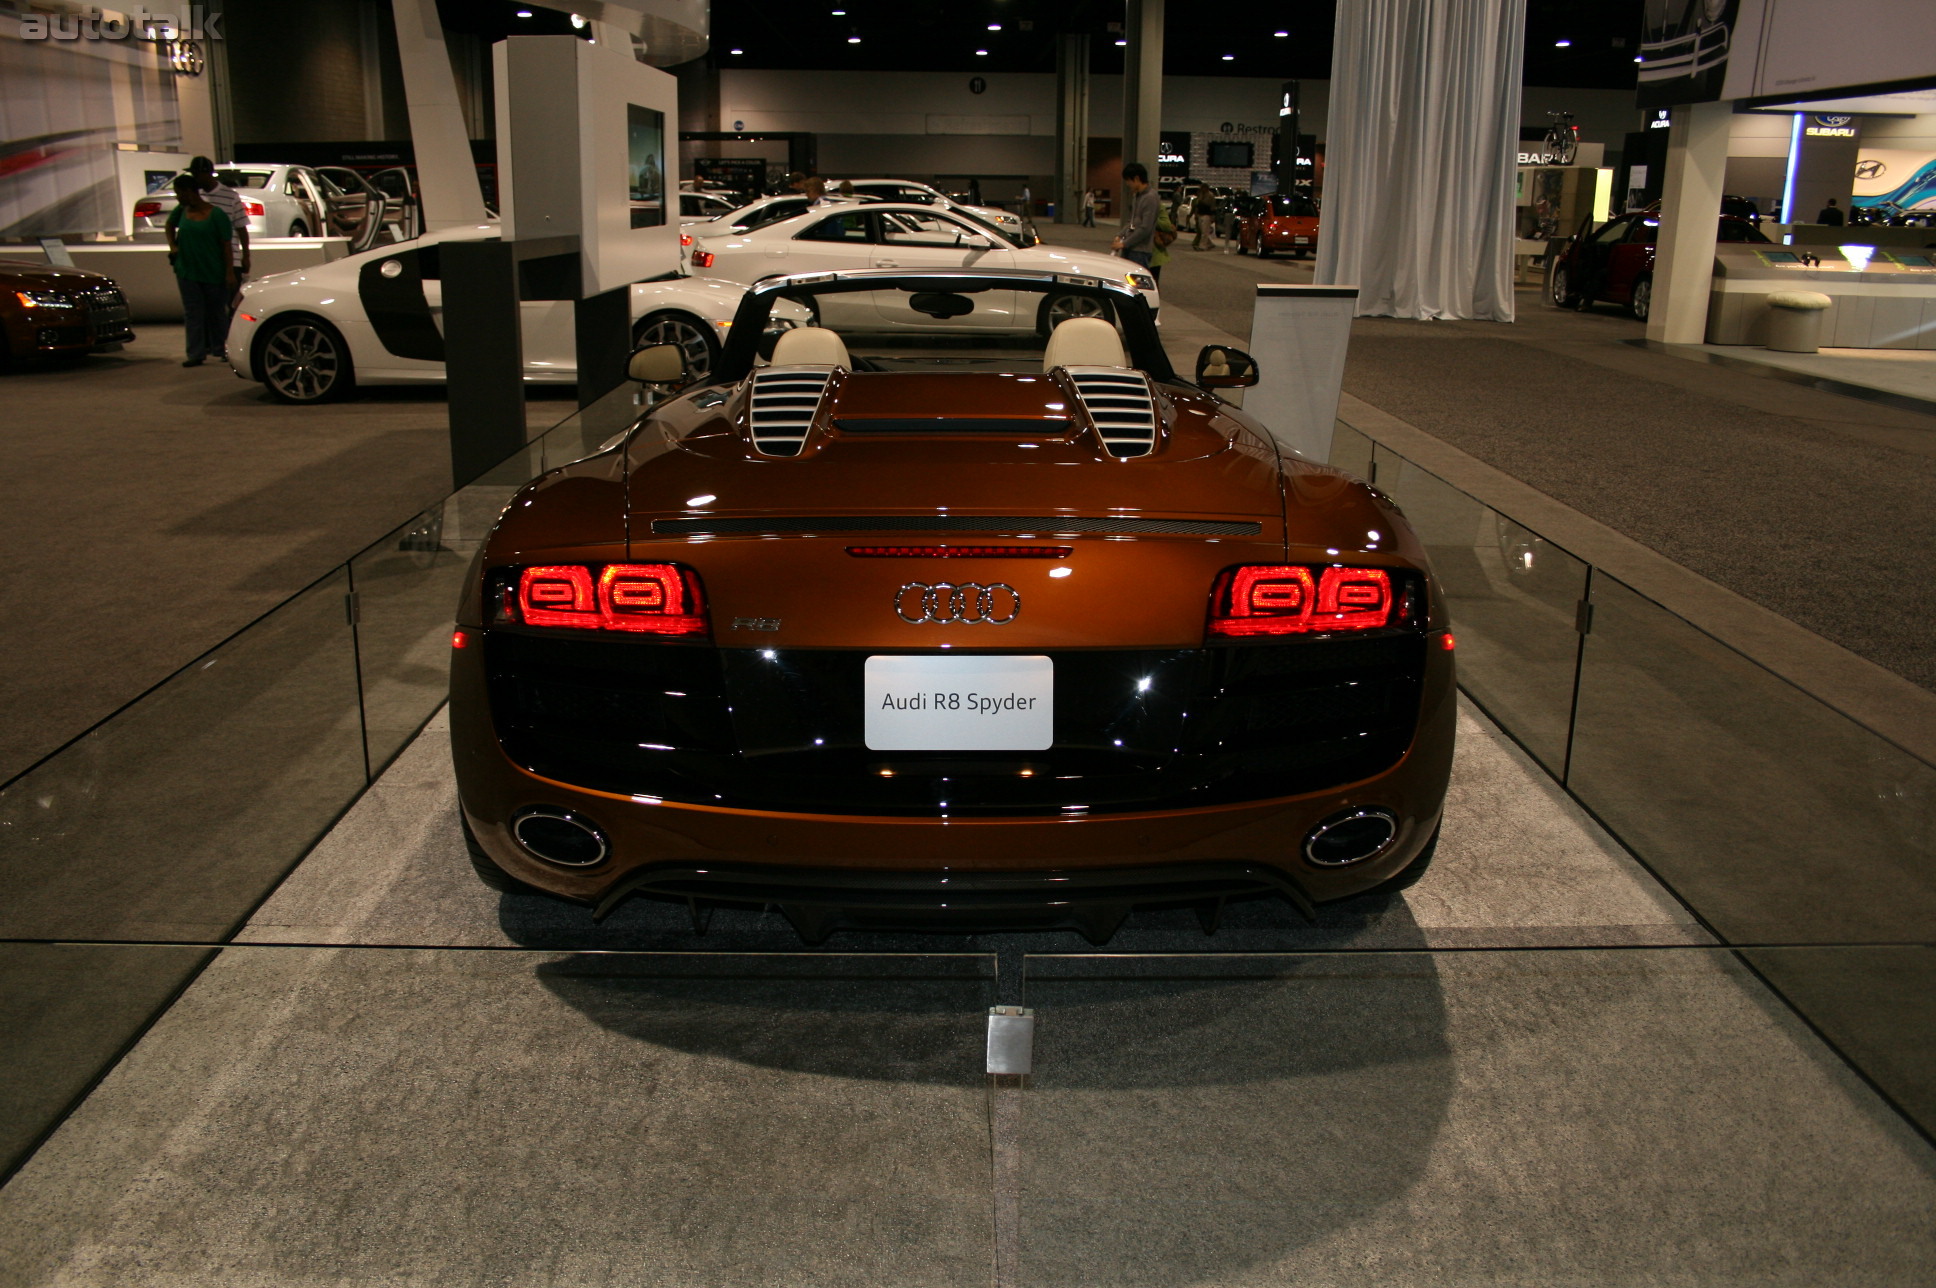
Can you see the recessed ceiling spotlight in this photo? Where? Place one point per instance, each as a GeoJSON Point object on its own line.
{"type": "Point", "coordinates": [994, 26]}
{"type": "Point", "coordinates": [736, 51]}
{"type": "Point", "coordinates": [1121, 43]}
{"type": "Point", "coordinates": [1280, 34]}
{"type": "Point", "coordinates": [578, 21]}
{"type": "Point", "coordinates": [1562, 44]}
{"type": "Point", "coordinates": [853, 40]}
{"type": "Point", "coordinates": [840, 13]}
{"type": "Point", "coordinates": [1636, 59]}
{"type": "Point", "coordinates": [524, 13]}
{"type": "Point", "coordinates": [1230, 58]}
{"type": "Point", "coordinates": [981, 53]}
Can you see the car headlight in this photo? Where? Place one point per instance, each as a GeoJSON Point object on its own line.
{"type": "Point", "coordinates": [45, 300]}
{"type": "Point", "coordinates": [1141, 281]}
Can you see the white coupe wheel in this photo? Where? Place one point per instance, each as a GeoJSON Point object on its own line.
{"type": "Point", "coordinates": [305, 361]}
{"type": "Point", "coordinates": [694, 337]}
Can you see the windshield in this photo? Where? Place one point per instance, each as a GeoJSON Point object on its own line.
{"type": "Point", "coordinates": [947, 321]}
{"type": "Point", "coordinates": [1294, 206]}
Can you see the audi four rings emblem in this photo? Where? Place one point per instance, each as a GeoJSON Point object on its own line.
{"type": "Point", "coordinates": [967, 603]}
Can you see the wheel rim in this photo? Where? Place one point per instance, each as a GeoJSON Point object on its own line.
{"type": "Point", "coordinates": [1064, 307]}
{"type": "Point", "coordinates": [1643, 298]}
{"type": "Point", "coordinates": [691, 339]}
{"type": "Point", "coordinates": [1559, 286]}
{"type": "Point", "coordinates": [301, 362]}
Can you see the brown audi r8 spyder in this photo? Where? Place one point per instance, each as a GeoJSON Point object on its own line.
{"type": "Point", "coordinates": [1018, 631]}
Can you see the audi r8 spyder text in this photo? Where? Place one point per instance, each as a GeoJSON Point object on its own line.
{"type": "Point", "coordinates": [997, 629]}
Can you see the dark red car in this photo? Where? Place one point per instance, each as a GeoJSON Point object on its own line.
{"type": "Point", "coordinates": [1286, 222]}
{"type": "Point", "coordinates": [50, 310]}
{"type": "Point", "coordinates": [1615, 262]}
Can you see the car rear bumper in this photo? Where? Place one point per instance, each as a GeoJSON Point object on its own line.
{"type": "Point", "coordinates": [985, 865]}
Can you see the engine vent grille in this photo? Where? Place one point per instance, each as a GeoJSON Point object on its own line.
{"type": "Point", "coordinates": [1119, 402]}
{"type": "Point", "coordinates": [784, 400]}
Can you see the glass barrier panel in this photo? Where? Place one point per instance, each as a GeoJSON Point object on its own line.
{"type": "Point", "coordinates": [1776, 818]}
{"type": "Point", "coordinates": [1351, 450]}
{"type": "Point", "coordinates": [174, 818]}
{"type": "Point", "coordinates": [1513, 596]}
{"type": "Point", "coordinates": [594, 426]}
{"type": "Point", "coordinates": [407, 586]}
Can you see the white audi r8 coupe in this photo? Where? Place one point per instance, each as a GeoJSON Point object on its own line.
{"type": "Point", "coordinates": [313, 335]}
{"type": "Point", "coordinates": [908, 236]}
{"type": "Point", "coordinates": [1012, 225]}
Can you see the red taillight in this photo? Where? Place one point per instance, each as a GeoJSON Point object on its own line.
{"type": "Point", "coordinates": [460, 639]}
{"type": "Point", "coordinates": [702, 259]}
{"type": "Point", "coordinates": [254, 208]}
{"type": "Point", "coordinates": [685, 239]}
{"type": "Point", "coordinates": [961, 552]}
{"type": "Point", "coordinates": [651, 599]}
{"type": "Point", "coordinates": [146, 209]}
{"type": "Point", "coordinates": [1446, 642]}
{"type": "Point", "coordinates": [1261, 599]}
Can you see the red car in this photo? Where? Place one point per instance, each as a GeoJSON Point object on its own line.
{"type": "Point", "coordinates": [50, 310]}
{"type": "Point", "coordinates": [1615, 263]}
{"type": "Point", "coordinates": [1287, 222]}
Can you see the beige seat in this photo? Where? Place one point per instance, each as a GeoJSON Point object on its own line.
{"type": "Point", "coordinates": [1084, 342]}
{"type": "Point", "coordinates": [810, 346]}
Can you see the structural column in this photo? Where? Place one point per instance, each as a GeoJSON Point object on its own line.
{"type": "Point", "coordinates": [1690, 212]}
{"type": "Point", "coordinates": [446, 175]}
{"type": "Point", "coordinates": [1143, 84]}
{"type": "Point", "coordinates": [1071, 125]}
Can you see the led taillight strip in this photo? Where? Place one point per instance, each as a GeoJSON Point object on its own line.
{"type": "Point", "coordinates": [1298, 599]}
{"type": "Point", "coordinates": [649, 599]}
{"type": "Point", "coordinates": [961, 552]}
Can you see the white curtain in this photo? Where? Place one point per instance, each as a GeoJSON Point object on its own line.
{"type": "Point", "coordinates": [1422, 141]}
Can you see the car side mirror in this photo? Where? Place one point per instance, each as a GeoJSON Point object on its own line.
{"type": "Point", "coordinates": [658, 364]}
{"type": "Point", "coordinates": [1221, 367]}
{"type": "Point", "coordinates": [974, 241]}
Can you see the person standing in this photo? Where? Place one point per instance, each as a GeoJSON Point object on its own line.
{"type": "Point", "coordinates": [229, 202]}
{"type": "Point", "coordinates": [1088, 207]}
{"type": "Point", "coordinates": [201, 251]}
{"type": "Point", "coordinates": [1204, 208]}
{"type": "Point", "coordinates": [1138, 233]}
{"type": "Point", "coordinates": [1831, 214]}
{"type": "Point", "coordinates": [1160, 244]}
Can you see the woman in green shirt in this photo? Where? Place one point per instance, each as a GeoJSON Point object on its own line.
{"type": "Point", "coordinates": [198, 248]}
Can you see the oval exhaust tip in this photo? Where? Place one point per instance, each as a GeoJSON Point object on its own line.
{"type": "Point", "coordinates": [561, 837]}
{"type": "Point", "coordinates": [1351, 836]}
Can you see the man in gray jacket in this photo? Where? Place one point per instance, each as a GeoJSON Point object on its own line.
{"type": "Point", "coordinates": [1137, 239]}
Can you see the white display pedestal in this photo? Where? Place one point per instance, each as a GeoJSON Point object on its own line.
{"type": "Point", "coordinates": [1299, 335]}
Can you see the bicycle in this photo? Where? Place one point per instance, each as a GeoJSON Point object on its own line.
{"type": "Point", "coordinates": [1562, 139]}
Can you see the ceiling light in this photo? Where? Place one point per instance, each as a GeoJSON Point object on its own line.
{"type": "Point", "coordinates": [1280, 34]}
{"type": "Point", "coordinates": [1230, 58]}
{"type": "Point", "coordinates": [994, 26]}
{"type": "Point", "coordinates": [1121, 43]}
{"type": "Point", "coordinates": [981, 53]}
{"type": "Point", "coordinates": [736, 51]}
{"type": "Point", "coordinates": [1562, 44]}
{"type": "Point", "coordinates": [853, 40]}
{"type": "Point", "coordinates": [840, 13]}
{"type": "Point", "coordinates": [1636, 59]}
{"type": "Point", "coordinates": [524, 13]}
{"type": "Point", "coordinates": [577, 21]}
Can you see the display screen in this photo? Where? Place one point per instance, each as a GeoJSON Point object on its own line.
{"type": "Point", "coordinates": [1231, 156]}
{"type": "Point", "coordinates": [1780, 257]}
{"type": "Point", "coordinates": [1911, 261]}
{"type": "Point", "coordinates": [645, 165]}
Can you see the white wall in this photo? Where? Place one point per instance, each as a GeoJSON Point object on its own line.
{"type": "Point", "coordinates": [1907, 133]}
{"type": "Point", "coordinates": [1758, 158]}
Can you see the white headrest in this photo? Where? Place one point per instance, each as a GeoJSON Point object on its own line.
{"type": "Point", "coordinates": [1083, 342]}
{"type": "Point", "coordinates": [810, 346]}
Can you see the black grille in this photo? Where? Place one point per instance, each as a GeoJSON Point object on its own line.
{"type": "Point", "coordinates": [1135, 729]}
{"type": "Point", "coordinates": [1008, 523]}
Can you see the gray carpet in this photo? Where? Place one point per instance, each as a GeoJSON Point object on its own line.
{"type": "Point", "coordinates": [148, 511]}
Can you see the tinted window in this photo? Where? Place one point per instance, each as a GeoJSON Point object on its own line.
{"type": "Point", "coordinates": [1645, 232]}
{"type": "Point", "coordinates": [1298, 207]}
{"type": "Point", "coordinates": [840, 228]}
{"type": "Point", "coordinates": [1613, 234]}
{"type": "Point", "coordinates": [773, 214]}
{"type": "Point", "coordinates": [244, 178]}
{"type": "Point", "coordinates": [902, 229]}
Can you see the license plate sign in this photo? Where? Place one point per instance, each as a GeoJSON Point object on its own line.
{"type": "Point", "coordinates": [963, 703]}
{"type": "Point", "coordinates": [1301, 241]}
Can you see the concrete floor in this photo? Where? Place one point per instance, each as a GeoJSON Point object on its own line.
{"type": "Point", "coordinates": [1533, 1068]}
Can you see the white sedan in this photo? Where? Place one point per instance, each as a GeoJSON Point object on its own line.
{"type": "Point", "coordinates": [1011, 225]}
{"type": "Point", "coordinates": [313, 335]}
{"type": "Point", "coordinates": [904, 235]}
